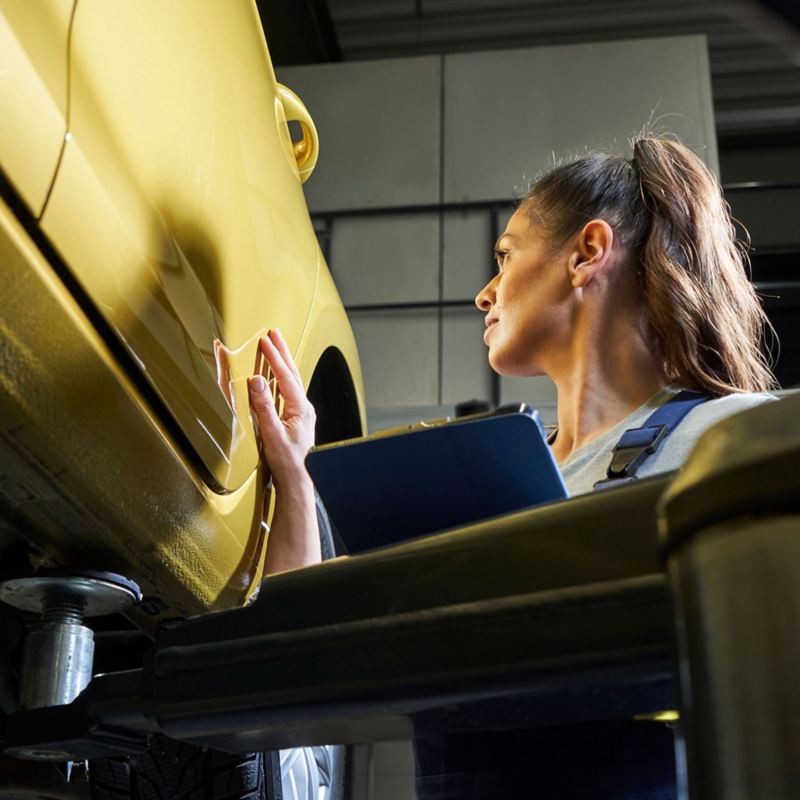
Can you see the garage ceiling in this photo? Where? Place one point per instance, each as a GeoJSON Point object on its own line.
{"type": "Point", "coordinates": [754, 49]}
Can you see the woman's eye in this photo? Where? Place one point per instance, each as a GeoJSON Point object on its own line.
{"type": "Point", "coordinates": [500, 256]}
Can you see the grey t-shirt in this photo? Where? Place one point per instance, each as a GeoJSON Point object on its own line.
{"type": "Point", "coordinates": [589, 464]}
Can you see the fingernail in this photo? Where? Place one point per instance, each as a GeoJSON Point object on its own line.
{"type": "Point", "coordinates": [257, 383]}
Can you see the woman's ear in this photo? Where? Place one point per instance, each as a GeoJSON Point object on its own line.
{"type": "Point", "coordinates": [592, 253]}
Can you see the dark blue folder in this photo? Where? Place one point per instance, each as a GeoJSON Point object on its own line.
{"type": "Point", "coordinates": [383, 489]}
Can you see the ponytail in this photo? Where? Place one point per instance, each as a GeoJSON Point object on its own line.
{"type": "Point", "coordinates": [701, 303]}
{"type": "Point", "coordinates": [668, 211]}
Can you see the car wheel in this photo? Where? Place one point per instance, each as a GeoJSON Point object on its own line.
{"type": "Point", "coordinates": [172, 770]}
{"type": "Point", "coordinates": [313, 773]}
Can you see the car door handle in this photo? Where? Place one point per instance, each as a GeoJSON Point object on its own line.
{"type": "Point", "coordinates": [306, 150]}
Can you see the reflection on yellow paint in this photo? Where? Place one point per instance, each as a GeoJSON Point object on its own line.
{"type": "Point", "coordinates": [660, 716]}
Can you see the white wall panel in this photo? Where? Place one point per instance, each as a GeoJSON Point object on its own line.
{"type": "Point", "coordinates": [386, 259]}
{"type": "Point", "coordinates": [393, 771]}
{"type": "Point", "coordinates": [399, 353]}
{"type": "Point", "coordinates": [379, 129]}
{"type": "Point", "coordinates": [382, 771]}
{"type": "Point", "coordinates": [507, 112]}
{"type": "Point", "coordinates": [467, 259]}
{"type": "Point", "coordinates": [465, 367]}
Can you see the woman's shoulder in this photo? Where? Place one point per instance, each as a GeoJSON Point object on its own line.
{"type": "Point", "coordinates": [720, 407]}
{"type": "Point", "coordinates": [697, 422]}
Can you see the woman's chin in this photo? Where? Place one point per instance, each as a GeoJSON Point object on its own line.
{"type": "Point", "coordinates": [509, 368]}
{"type": "Point", "coordinates": [499, 364]}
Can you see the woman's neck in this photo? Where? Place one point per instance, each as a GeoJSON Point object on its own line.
{"type": "Point", "coordinates": [610, 371]}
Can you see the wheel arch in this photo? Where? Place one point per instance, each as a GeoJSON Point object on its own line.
{"type": "Point", "coordinates": [332, 392]}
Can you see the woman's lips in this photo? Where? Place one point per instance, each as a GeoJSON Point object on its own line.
{"type": "Point", "coordinates": [490, 323]}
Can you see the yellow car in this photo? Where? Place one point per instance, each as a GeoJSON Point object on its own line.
{"type": "Point", "coordinates": [152, 228]}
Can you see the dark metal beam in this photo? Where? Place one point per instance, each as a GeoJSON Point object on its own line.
{"type": "Point", "coordinates": [299, 31]}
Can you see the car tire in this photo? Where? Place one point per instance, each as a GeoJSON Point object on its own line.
{"type": "Point", "coordinates": [172, 770]}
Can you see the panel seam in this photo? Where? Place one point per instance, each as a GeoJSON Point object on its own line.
{"type": "Point", "coordinates": [68, 109]}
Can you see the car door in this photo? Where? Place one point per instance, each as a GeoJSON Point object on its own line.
{"type": "Point", "coordinates": [178, 208]}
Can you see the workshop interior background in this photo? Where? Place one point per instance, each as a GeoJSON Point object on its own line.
{"type": "Point", "coordinates": [434, 114]}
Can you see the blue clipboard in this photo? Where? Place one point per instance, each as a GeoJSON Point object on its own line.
{"type": "Point", "coordinates": [393, 486]}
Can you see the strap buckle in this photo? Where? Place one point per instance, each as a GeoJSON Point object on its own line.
{"type": "Point", "coordinates": [633, 448]}
{"type": "Point", "coordinates": [637, 444]}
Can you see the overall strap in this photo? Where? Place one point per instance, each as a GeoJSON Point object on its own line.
{"type": "Point", "coordinates": [636, 445]}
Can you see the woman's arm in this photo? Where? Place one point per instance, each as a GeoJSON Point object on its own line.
{"type": "Point", "coordinates": [285, 441]}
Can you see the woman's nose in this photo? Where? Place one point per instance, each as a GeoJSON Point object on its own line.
{"type": "Point", "coordinates": [485, 298]}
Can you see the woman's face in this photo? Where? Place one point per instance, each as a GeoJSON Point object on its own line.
{"type": "Point", "coordinates": [528, 304]}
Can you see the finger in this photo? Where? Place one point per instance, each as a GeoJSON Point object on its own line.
{"type": "Point", "coordinates": [291, 390]}
{"type": "Point", "coordinates": [277, 339]}
{"type": "Point", "coordinates": [269, 424]}
{"type": "Point", "coordinates": [277, 398]}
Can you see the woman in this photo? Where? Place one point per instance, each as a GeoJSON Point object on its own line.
{"type": "Point", "coordinates": [623, 281]}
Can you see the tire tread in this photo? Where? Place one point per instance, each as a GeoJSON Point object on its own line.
{"type": "Point", "coordinates": [171, 770]}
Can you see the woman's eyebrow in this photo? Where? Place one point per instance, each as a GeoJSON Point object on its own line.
{"type": "Point", "coordinates": [500, 239]}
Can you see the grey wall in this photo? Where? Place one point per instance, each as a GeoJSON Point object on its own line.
{"type": "Point", "coordinates": [456, 129]}
{"type": "Point", "coordinates": [507, 113]}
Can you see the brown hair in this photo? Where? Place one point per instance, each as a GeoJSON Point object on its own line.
{"type": "Point", "coordinates": [667, 209]}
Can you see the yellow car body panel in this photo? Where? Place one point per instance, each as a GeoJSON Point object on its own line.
{"type": "Point", "coordinates": [89, 498]}
{"type": "Point", "coordinates": [179, 156]}
{"type": "Point", "coordinates": [175, 233]}
{"type": "Point", "coordinates": [33, 93]}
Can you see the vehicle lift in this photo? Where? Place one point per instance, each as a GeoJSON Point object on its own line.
{"type": "Point", "coordinates": [665, 593]}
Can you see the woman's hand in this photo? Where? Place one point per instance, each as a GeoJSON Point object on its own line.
{"type": "Point", "coordinates": [285, 441]}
